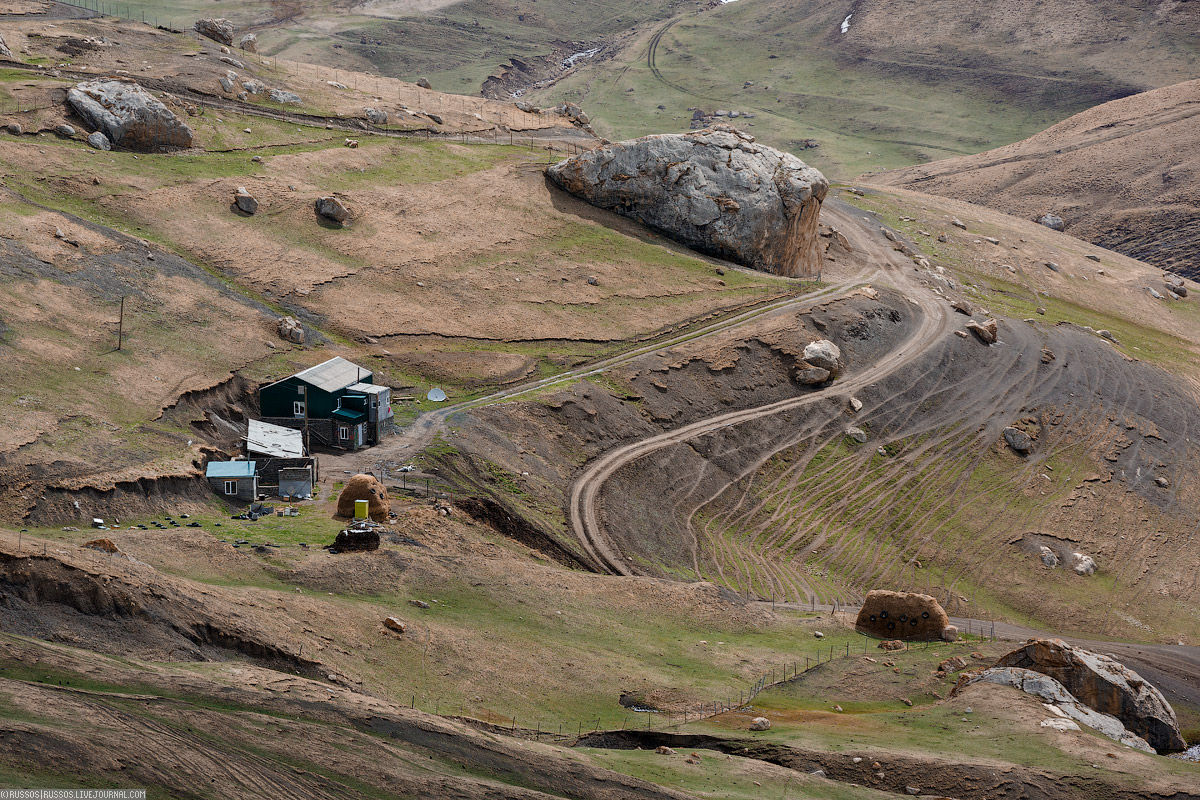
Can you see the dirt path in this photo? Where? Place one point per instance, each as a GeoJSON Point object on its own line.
{"type": "Point", "coordinates": [585, 521]}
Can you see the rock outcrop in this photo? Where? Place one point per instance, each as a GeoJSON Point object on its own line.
{"type": "Point", "coordinates": [987, 331]}
{"type": "Point", "coordinates": [715, 190]}
{"type": "Point", "coordinates": [284, 96]}
{"type": "Point", "coordinates": [1053, 222]}
{"type": "Point", "coordinates": [290, 330]}
{"type": "Point", "coordinates": [219, 30]}
{"type": "Point", "coordinates": [4, 51]}
{"type": "Point", "coordinates": [249, 43]}
{"type": "Point", "coordinates": [376, 116]}
{"type": "Point", "coordinates": [128, 115]}
{"type": "Point", "coordinates": [1105, 685]}
{"type": "Point", "coordinates": [1055, 695]}
{"type": "Point", "coordinates": [902, 615]}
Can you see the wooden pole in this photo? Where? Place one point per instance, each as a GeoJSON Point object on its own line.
{"type": "Point", "coordinates": [121, 323]}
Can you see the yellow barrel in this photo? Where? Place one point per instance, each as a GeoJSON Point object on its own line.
{"type": "Point", "coordinates": [360, 509]}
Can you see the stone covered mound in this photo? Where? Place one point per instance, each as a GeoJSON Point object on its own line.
{"type": "Point", "coordinates": [902, 615]}
{"type": "Point", "coordinates": [1105, 685]}
{"type": "Point", "coordinates": [364, 487]}
{"type": "Point", "coordinates": [128, 115]}
{"type": "Point", "coordinates": [715, 190]}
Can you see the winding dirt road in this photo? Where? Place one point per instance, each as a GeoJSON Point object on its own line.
{"type": "Point", "coordinates": [585, 521]}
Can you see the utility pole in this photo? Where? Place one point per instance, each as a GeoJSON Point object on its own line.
{"type": "Point", "coordinates": [121, 323]}
{"type": "Point", "coordinates": [307, 446]}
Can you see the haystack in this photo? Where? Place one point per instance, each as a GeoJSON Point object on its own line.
{"type": "Point", "coordinates": [364, 487]}
{"type": "Point", "coordinates": [902, 615]}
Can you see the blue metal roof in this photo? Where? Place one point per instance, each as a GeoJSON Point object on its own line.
{"type": "Point", "coordinates": [350, 415]}
{"type": "Point", "coordinates": [230, 469]}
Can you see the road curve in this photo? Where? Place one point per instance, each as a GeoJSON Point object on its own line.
{"type": "Point", "coordinates": [585, 522]}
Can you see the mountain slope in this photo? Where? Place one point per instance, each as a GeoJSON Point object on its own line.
{"type": "Point", "coordinates": [1122, 175]}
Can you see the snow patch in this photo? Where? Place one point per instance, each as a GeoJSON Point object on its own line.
{"type": "Point", "coordinates": [846, 23]}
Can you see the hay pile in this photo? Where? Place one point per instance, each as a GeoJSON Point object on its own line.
{"type": "Point", "coordinates": [364, 487]}
{"type": "Point", "coordinates": [902, 615]}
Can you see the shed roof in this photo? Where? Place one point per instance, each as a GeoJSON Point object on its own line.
{"type": "Point", "coordinates": [334, 374]}
{"type": "Point", "coordinates": [350, 415]}
{"type": "Point", "coordinates": [230, 469]}
{"type": "Point", "coordinates": [367, 388]}
{"type": "Point", "coordinates": [274, 440]}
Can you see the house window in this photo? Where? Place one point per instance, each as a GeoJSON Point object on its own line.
{"type": "Point", "coordinates": [298, 408]}
{"type": "Point", "coordinates": [343, 433]}
{"type": "Point", "coordinates": [230, 487]}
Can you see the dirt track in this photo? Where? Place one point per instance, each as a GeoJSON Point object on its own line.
{"type": "Point", "coordinates": [584, 519]}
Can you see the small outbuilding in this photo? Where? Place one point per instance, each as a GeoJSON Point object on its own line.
{"type": "Point", "coordinates": [283, 467]}
{"type": "Point", "coordinates": [234, 480]}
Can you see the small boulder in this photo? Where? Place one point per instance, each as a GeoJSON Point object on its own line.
{"type": "Point", "coordinates": [435, 118]}
{"type": "Point", "coordinates": [818, 635]}
{"type": "Point", "coordinates": [824, 354]}
{"type": "Point", "coordinates": [963, 306]}
{"type": "Point", "coordinates": [424, 84]}
{"type": "Point", "coordinates": [4, 51]}
{"type": "Point", "coordinates": [857, 434]}
{"type": "Point", "coordinates": [889, 645]}
{"type": "Point", "coordinates": [14, 128]}
{"type": "Point", "coordinates": [99, 141]}
{"type": "Point", "coordinates": [332, 208]}
{"type": "Point", "coordinates": [103, 545]}
{"type": "Point", "coordinates": [986, 332]}
{"type": "Point", "coordinates": [64, 130]}
{"type": "Point", "coordinates": [1048, 557]}
{"type": "Point", "coordinates": [284, 96]}
{"type": "Point", "coordinates": [290, 330]}
{"type": "Point", "coordinates": [219, 30]}
{"type": "Point", "coordinates": [808, 375]}
{"type": "Point", "coordinates": [950, 633]}
{"type": "Point", "coordinates": [418, 604]}
{"type": "Point", "coordinates": [395, 625]}
{"type": "Point", "coordinates": [663, 750]}
{"type": "Point", "coordinates": [1018, 440]}
{"type": "Point", "coordinates": [376, 116]}
{"type": "Point", "coordinates": [249, 43]}
{"type": "Point", "coordinates": [1053, 222]}
{"type": "Point", "coordinates": [760, 724]}
{"type": "Point", "coordinates": [953, 664]}
{"type": "Point", "coordinates": [958, 223]}
{"type": "Point", "coordinates": [1053, 266]}
{"type": "Point", "coordinates": [254, 87]}
{"type": "Point", "coordinates": [1093, 257]}
{"type": "Point", "coordinates": [246, 203]}
{"type": "Point", "coordinates": [1082, 565]}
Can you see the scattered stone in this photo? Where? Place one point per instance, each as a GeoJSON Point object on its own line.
{"type": "Point", "coordinates": [246, 203]}
{"type": "Point", "coordinates": [1163, 482]}
{"type": "Point", "coordinates": [332, 208]}
{"type": "Point", "coordinates": [986, 332]}
{"type": "Point", "coordinates": [817, 773]}
{"type": "Point", "coordinates": [857, 434]}
{"type": "Point", "coordinates": [1092, 257]}
{"type": "Point", "coordinates": [818, 635]}
{"type": "Point", "coordinates": [906, 701]}
{"type": "Point", "coordinates": [64, 130]}
{"type": "Point", "coordinates": [226, 84]}
{"type": "Point", "coordinates": [437, 120]}
{"type": "Point", "coordinates": [950, 633]}
{"type": "Point", "coordinates": [418, 603]}
{"type": "Point", "coordinates": [1104, 333]}
{"type": "Point", "coordinates": [1083, 565]}
{"type": "Point", "coordinates": [4, 51]}
{"type": "Point", "coordinates": [219, 30]}
{"type": "Point", "coordinates": [424, 84]}
{"type": "Point", "coordinates": [99, 141]}
{"type": "Point", "coordinates": [760, 724]}
{"type": "Point", "coordinates": [128, 115]}
{"type": "Point", "coordinates": [715, 190]}
{"type": "Point", "coordinates": [233, 62]}
{"type": "Point", "coordinates": [254, 87]}
{"type": "Point", "coordinates": [961, 334]}
{"type": "Point", "coordinates": [1053, 222]}
{"type": "Point", "coordinates": [1018, 440]}
{"type": "Point", "coordinates": [1048, 556]}
{"type": "Point", "coordinates": [284, 96]}
{"type": "Point", "coordinates": [257, 159]}
{"type": "Point", "coordinates": [290, 329]}
{"type": "Point", "coordinates": [953, 664]}
{"type": "Point", "coordinates": [912, 790]}
{"type": "Point", "coordinates": [1041, 310]}
{"type": "Point", "coordinates": [103, 545]}
{"type": "Point", "coordinates": [958, 223]}
{"type": "Point", "coordinates": [1053, 267]}
{"type": "Point", "coordinates": [890, 645]}
{"type": "Point", "coordinates": [592, 280]}
{"type": "Point", "coordinates": [991, 240]}
{"type": "Point", "coordinates": [395, 625]}
{"type": "Point", "coordinates": [1060, 724]}
{"type": "Point", "coordinates": [855, 404]}
{"type": "Point", "coordinates": [14, 128]}
{"type": "Point", "coordinates": [249, 43]}
{"type": "Point", "coordinates": [963, 306]}
{"type": "Point", "coordinates": [1154, 294]}
{"type": "Point", "coordinates": [376, 116]}
{"type": "Point", "coordinates": [663, 750]}
{"type": "Point", "coordinates": [808, 375]}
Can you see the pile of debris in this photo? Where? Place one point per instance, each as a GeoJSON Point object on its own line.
{"type": "Point", "coordinates": [362, 536]}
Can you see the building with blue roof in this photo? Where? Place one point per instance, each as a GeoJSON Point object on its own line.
{"type": "Point", "coordinates": [234, 480]}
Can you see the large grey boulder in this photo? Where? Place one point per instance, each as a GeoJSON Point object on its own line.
{"type": "Point", "coordinates": [4, 51]}
{"type": "Point", "coordinates": [1105, 685]}
{"type": "Point", "coordinates": [284, 96]}
{"type": "Point", "coordinates": [376, 116]}
{"type": "Point", "coordinates": [99, 141]}
{"type": "Point", "coordinates": [987, 331]}
{"type": "Point", "coordinates": [128, 115]}
{"type": "Point", "coordinates": [715, 190]}
{"type": "Point", "coordinates": [1054, 694]}
{"type": "Point", "coordinates": [1053, 222]}
{"type": "Point", "coordinates": [249, 43]}
{"type": "Point", "coordinates": [245, 202]}
{"type": "Point", "coordinates": [219, 30]}
{"type": "Point", "coordinates": [1018, 440]}
{"type": "Point", "coordinates": [824, 354]}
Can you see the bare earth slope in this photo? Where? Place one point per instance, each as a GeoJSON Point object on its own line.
{"type": "Point", "coordinates": [1123, 175]}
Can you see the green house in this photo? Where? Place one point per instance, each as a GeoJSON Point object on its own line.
{"type": "Point", "coordinates": [336, 400]}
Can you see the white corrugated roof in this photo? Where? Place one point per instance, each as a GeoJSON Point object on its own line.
{"type": "Point", "coordinates": [366, 388]}
{"type": "Point", "coordinates": [274, 440]}
{"type": "Point", "coordinates": [334, 374]}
